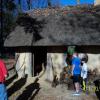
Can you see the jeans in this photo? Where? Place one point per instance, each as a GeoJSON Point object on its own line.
{"type": "Point", "coordinates": [3, 92]}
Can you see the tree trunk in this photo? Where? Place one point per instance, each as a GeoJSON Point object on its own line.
{"type": "Point", "coordinates": [49, 3]}
{"type": "Point", "coordinates": [78, 2]}
{"type": "Point", "coordinates": [19, 6]}
{"type": "Point", "coordinates": [29, 4]}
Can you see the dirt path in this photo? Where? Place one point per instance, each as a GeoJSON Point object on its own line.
{"type": "Point", "coordinates": [42, 90]}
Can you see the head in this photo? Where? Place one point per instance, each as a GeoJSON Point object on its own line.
{"type": "Point", "coordinates": [75, 54]}
{"type": "Point", "coordinates": [83, 60]}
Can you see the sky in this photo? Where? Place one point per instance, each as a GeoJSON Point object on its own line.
{"type": "Point", "coordinates": [43, 3]}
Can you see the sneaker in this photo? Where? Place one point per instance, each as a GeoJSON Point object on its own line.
{"type": "Point", "coordinates": [76, 94]}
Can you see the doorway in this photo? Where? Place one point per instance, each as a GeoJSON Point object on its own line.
{"type": "Point", "coordinates": [40, 57]}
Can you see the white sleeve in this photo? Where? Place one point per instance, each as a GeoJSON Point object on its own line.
{"type": "Point", "coordinates": [85, 71]}
{"type": "Point", "coordinates": [85, 68]}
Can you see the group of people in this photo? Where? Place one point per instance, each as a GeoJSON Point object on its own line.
{"type": "Point", "coordinates": [79, 73]}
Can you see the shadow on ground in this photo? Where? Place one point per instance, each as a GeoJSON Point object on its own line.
{"type": "Point", "coordinates": [16, 86]}
{"type": "Point", "coordinates": [97, 84]}
{"type": "Point", "coordinates": [9, 81]}
{"type": "Point", "coordinates": [30, 91]}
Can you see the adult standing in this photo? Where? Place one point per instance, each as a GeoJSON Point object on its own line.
{"type": "Point", "coordinates": [3, 75]}
{"type": "Point", "coordinates": [76, 71]}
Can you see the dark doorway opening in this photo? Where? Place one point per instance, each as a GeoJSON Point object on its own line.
{"type": "Point", "coordinates": [40, 56]}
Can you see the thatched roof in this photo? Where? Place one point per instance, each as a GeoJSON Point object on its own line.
{"type": "Point", "coordinates": [66, 26]}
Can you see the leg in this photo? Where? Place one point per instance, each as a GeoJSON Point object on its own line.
{"type": "Point", "coordinates": [77, 86]}
{"type": "Point", "coordinates": [77, 82]}
{"type": "Point", "coordinates": [3, 92]}
{"type": "Point", "coordinates": [84, 84]}
{"type": "Point", "coordinates": [81, 82]}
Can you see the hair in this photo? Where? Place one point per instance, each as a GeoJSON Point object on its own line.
{"type": "Point", "coordinates": [84, 59]}
{"type": "Point", "coordinates": [75, 53]}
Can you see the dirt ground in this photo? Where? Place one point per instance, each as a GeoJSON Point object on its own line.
{"type": "Point", "coordinates": [34, 89]}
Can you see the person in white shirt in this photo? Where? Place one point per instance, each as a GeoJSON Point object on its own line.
{"type": "Point", "coordinates": [84, 71]}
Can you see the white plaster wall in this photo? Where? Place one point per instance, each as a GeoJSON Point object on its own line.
{"type": "Point", "coordinates": [97, 2]}
{"type": "Point", "coordinates": [58, 62]}
{"type": "Point", "coordinates": [94, 61]}
{"type": "Point", "coordinates": [49, 72]}
{"type": "Point", "coordinates": [28, 63]}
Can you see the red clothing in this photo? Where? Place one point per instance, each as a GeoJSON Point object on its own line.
{"type": "Point", "coordinates": [3, 71]}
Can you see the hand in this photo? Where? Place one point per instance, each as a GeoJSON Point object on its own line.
{"type": "Point", "coordinates": [5, 76]}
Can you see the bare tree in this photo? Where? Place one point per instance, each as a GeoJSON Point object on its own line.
{"type": "Point", "coordinates": [19, 5]}
{"type": "Point", "coordinates": [78, 2]}
{"type": "Point", "coordinates": [49, 3]}
{"type": "Point", "coordinates": [8, 21]}
{"type": "Point", "coordinates": [55, 4]}
{"type": "Point", "coordinates": [29, 2]}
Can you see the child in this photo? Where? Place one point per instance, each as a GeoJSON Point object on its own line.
{"type": "Point", "coordinates": [84, 74]}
